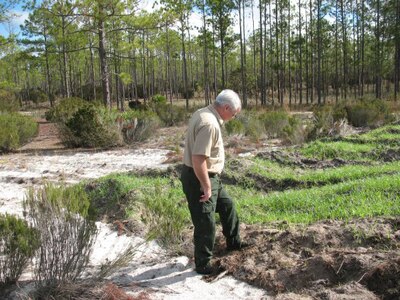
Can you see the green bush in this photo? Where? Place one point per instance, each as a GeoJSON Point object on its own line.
{"type": "Point", "coordinates": [66, 233]}
{"type": "Point", "coordinates": [323, 121]}
{"type": "Point", "coordinates": [368, 113]}
{"type": "Point", "coordinates": [254, 128]}
{"type": "Point", "coordinates": [8, 101]}
{"type": "Point", "coordinates": [18, 243]}
{"type": "Point", "coordinates": [235, 126]}
{"type": "Point", "coordinates": [63, 111]}
{"type": "Point", "coordinates": [90, 127]}
{"type": "Point", "coordinates": [189, 94]}
{"type": "Point", "coordinates": [339, 111]}
{"type": "Point", "coordinates": [275, 123]}
{"type": "Point", "coordinates": [37, 96]}
{"type": "Point", "coordinates": [170, 115]}
{"type": "Point", "coordinates": [16, 130]}
{"type": "Point", "coordinates": [138, 125]}
{"type": "Point", "coordinates": [280, 124]}
{"type": "Point", "coordinates": [295, 132]}
{"type": "Point", "coordinates": [159, 99]}
{"type": "Point", "coordinates": [165, 217]}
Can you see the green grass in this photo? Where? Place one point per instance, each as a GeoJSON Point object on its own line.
{"type": "Point", "coordinates": [273, 170]}
{"type": "Point", "coordinates": [338, 149]}
{"type": "Point", "coordinates": [157, 201]}
{"type": "Point", "coordinates": [369, 197]}
{"type": "Point", "coordinates": [16, 130]}
{"type": "Point", "coordinates": [364, 147]}
{"type": "Point", "coordinates": [389, 134]}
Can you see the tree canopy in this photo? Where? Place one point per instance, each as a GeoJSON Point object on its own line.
{"type": "Point", "coordinates": [274, 52]}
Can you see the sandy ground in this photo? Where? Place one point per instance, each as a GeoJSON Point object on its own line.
{"type": "Point", "coordinates": [152, 271]}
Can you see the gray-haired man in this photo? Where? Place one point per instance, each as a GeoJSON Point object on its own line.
{"type": "Point", "coordinates": [203, 163]}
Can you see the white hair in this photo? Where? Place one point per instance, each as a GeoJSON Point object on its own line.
{"type": "Point", "coordinates": [228, 97]}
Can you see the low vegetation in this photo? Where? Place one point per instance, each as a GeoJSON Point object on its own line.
{"type": "Point", "coordinates": [8, 100]}
{"type": "Point", "coordinates": [154, 203]}
{"type": "Point", "coordinates": [89, 124]}
{"type": "Point", "coordinates": [18, 243]}
{"type": "Point", "coordinates": [66, 235]}
{"type": "Point", "coordinates": [16, 130]}
{"type": "Point", "coordinates": [292, 186]}
{"type": "Point", "coordinates": [267, 124]}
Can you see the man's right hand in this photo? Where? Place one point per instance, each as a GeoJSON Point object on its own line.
{"type": "Point", "coordinates": [206, 196]}
{"type": "Point", "coordinates": [200, 169]}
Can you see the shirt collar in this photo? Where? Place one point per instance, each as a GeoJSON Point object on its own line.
{"type": "Point", "coordinates": [216, 114]}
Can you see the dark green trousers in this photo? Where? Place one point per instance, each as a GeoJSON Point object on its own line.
{"type": "Point", "coordinates": [203, 215]}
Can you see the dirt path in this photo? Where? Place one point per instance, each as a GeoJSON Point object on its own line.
{"type": "Point", "coordinates": [47, 138]}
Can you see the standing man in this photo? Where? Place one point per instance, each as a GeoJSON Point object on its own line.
{"type": "Point", "coordinates": [203, 160]}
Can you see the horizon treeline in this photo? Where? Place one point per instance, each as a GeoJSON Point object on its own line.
{"type": "Point", "coordinates": [284, 52]}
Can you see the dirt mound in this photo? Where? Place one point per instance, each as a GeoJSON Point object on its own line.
{"type": "Point", "coordinates": [390, 155]}
{"type": "Point", "coordinates": [295, 159]}
{"type": "Point", "coordinates": [327, 260]}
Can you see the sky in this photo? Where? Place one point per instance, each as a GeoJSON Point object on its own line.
{"type": "Point", "coordinates": [13, 27]}
{"type": "Point", "coordinates": [17, 19]}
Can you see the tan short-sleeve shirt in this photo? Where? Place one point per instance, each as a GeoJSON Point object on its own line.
{"type": "Point", "coordinates": [204, 137]}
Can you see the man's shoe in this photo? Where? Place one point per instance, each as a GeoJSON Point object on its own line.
{"type": "Point", "coordinates": [238, 246]}
{"type": "Point", "coordinates": [205, 270]}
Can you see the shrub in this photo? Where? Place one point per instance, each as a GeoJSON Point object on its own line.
{"type": "Point", "coordinates": [329, 121]}
{"type": "Point", "coordinates": [323, 121]}
{"type": "Point", "coordinates": [254, 128]}
{"type": "Point", "coordinates": [18, 242]}
{"type": "Point", "coordinates": [8, 101]}
{"type": "Point", "coordinates": [368, 113]}
{"type": "Point", "coordinates": [339, 111]}
{"type": "Point", "coordinates": [295, 132]}
{"type": "Point", "coordinates": [63, 111]}
{"type": "Point", "coordinates": [37, 96]}
{"type": "Point", "coordinates": [280, 124]}
{"type": "Point", "coordinates": [16, 130]}
{"type": "Point", "coordinates": [165, 217]}
{"type": "Point", "coordinates": [138, 125]}
{"type": "Point", "coordinates": [188, 94]}
{"type": "Point", "coordinates": [137, 105]}
{"type": "Point", "coordinates": [275, 123]}
{"type": "Point", "coordinates": [105, 196]}
{"type": "Point", "coordinates": [170, 115]}
{"type": "Point", "coordinates": [66, 233]}
{"type": "Point", "coordinates": [91, 126]}
{"type": "Point", "coordinates": [235, 126]}
{"type": "Point", "coordinates": [159, 99]}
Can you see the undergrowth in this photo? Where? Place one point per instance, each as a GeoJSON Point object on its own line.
{"type": "Point", "coordinates": [16, 130]}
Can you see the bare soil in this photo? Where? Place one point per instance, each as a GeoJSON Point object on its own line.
{"type": "Point", "coordinates": [47, 138]}
{"type": "Point", "coordinates": [359, 259]}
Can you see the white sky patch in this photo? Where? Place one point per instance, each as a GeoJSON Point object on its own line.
{"type": "Point", "coordinates": [12, 27]}
{"type": "Point", "coordinates": [148, 5]}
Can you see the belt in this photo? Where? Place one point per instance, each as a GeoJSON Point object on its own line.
{"type": "Point", "coordinates": [210, 174]}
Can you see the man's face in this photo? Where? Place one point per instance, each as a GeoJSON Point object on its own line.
{"type": "Point", "coordinates": [231, 113]}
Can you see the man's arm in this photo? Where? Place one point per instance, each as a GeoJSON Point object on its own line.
{"type": "Point", "coordinates": [200, 169]}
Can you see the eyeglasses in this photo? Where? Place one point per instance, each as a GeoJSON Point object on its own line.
{"type": "Point", "coordinates": [233, 112]}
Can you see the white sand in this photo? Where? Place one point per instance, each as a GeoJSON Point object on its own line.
{"type": "Point", "coordinates": [152, 270]}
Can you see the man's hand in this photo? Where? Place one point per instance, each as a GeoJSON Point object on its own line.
{"type": "Point", "coordinates": [200, 169]}
{"type": "Point", "coordinates": [206, 196]}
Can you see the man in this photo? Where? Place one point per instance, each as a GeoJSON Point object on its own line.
{"type": "Point", "coordinates": [203, 163]}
